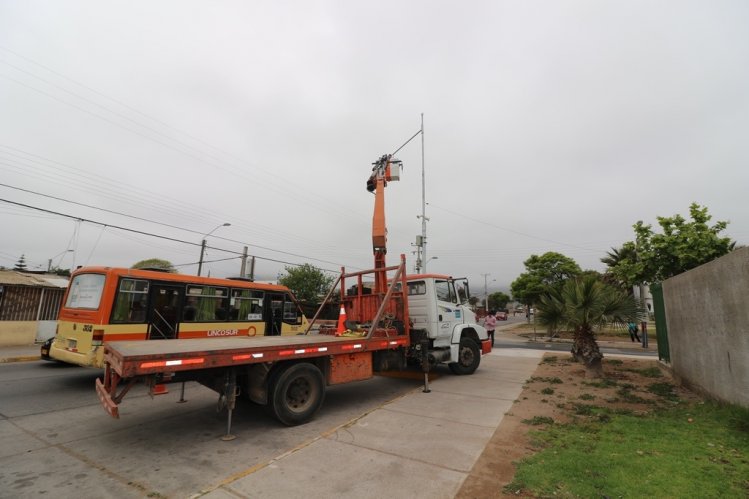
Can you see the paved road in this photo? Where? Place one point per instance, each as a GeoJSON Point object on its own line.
{"type": "Point", "coordinates": [565, 347]}
{"type": "Point", "coordinates": [58, 441]}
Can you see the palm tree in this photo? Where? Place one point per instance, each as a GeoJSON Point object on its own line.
{"type": "Point", "coordinates": [584, 305]}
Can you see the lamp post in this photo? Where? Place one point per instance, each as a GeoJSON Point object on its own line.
{"type": "Point", "coordinates": [49, 262]}
{"type": "Point", "coordinates": [486, 292]}
{"type": "Point", "coordinates": [429, 260]}
{"type": "Point", "coordinates": [202, 245]}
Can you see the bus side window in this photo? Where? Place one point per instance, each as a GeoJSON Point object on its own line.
{"type": "Point", "coordinates": [131, 302]}
{"type": "Point", "coordinates": [246, 305]}
{"type": "Point", "coordinates": [210, 303]}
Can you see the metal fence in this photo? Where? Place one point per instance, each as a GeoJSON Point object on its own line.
{"type": "Point", "coordinates": [24, 303]}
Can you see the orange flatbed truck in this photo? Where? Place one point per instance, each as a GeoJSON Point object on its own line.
{"type": "Point", "coordinates": [392, 319]}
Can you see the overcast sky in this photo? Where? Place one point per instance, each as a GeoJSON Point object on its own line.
{"type": "Point", "coordinates": [549, 126]}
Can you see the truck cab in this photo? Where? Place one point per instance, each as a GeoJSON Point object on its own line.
{"type": "Point", "coordinates": [437, 306]}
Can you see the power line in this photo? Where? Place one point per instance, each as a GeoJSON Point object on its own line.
{"type": "Point", "coordinates": [153, 222]}
{"type": "Point", "coordinates": [510, 230]}
{"type": "Point", "coordinates": [160, 236]}
{"type": "Point", "coordinates": [190, 151]}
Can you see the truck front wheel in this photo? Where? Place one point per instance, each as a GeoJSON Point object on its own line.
{"type": "Point", "coordinates": [296, 393]}
{"type": "Point", "coordinates": [469, 357]}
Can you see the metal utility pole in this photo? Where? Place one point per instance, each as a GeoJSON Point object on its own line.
{"type": "Point", "coordinates": [486, 292]}
{"type": "Point", "coordinates": [424, 218]}
{"type": "Point", "coordinates": [421, 240]}
{"type": "Point", "coordinates": [243, 267]}
{"type": "Point", "coordinates": [202, 245]}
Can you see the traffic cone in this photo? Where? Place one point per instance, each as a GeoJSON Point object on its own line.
{"type": "Point", "coordinates": [341, 320]}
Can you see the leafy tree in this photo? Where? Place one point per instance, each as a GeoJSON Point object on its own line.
{"type": "Point", "coordinates": [582, 305]}
{"type": "Point", "coordinates": [155, 263]}
{"type": "Point", "coordinates": [498, 300]}
{"type": "Point", "coordinates": [682, 245]}
{"type": "Point", "coordinates": [21, 264]}
{"type": "Point", "coordinates": [542, 272]}
{"type": "Point", "coordinates": [307, 282]}
{"type": "Point", "coordinates": [60, 272]}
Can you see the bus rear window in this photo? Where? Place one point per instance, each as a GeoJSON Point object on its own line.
{"type": "Point", "coordinates": [85, 291]}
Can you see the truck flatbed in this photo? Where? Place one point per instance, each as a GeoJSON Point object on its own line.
{"type": "Point", "coordinates": [134, 358]}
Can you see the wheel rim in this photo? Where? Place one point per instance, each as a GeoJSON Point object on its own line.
{"type": "Point", "coordinates": [466, 356]}
{"type": "Point", "coordinates": [300, 394]}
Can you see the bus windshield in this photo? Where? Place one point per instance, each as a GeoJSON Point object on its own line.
{"type": "Point", "coordinates": [85, 291]}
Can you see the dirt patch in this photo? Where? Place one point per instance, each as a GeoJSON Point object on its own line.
{"type": "Point", "coordinates": [558, 391]}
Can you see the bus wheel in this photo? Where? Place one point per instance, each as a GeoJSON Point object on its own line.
{"type": "Point", "coordinates": [469, 357]}
{"type": "Point", "coordinates": [296, 393]}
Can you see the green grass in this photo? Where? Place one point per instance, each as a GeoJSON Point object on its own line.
{"type": "Point", "coordinates": [665, 390]}
{"type": "Point", "coordinates": [538, 420]}
{"type": "Point", "coordinates": [699, 450]}
{"type": "Point", "coordinates": [548, 391]}
{"type": "Point", "coordinates": [554, 381]}
{"type": "Point", "coordinates": [649, 372]}
{"type": "Point", "coordinates": [603, 383]}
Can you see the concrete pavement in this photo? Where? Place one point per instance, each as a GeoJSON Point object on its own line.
{"type": "Point", "coordinates": [419, 445]}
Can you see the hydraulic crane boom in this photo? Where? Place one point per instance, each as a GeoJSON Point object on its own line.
{"type": "Point", "coordinates": [384, 170]}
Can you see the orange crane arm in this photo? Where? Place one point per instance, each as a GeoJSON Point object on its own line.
{"type": "Point", "coordinates": [385, 169]}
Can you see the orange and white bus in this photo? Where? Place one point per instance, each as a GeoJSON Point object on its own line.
{"type": "Point", "coordinates": [118, 304]}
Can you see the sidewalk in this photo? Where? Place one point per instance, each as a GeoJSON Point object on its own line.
{"type": "Point", "coordinates": [22, 353]}
{"type": "Point", "coordinates": [419, 445]}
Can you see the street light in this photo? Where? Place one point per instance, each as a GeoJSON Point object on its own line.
{"type": "Point", "coordinates": [202, 245]}
{"type": "Point", "coordinates": [49, 262]}
{"type": "Point", "coordinates": [429, 260]}
{"type": "Point", "coordinates": [486, 292]}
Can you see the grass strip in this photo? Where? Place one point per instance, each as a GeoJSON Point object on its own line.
{"type": "Point", "coordinates": [699, 450]}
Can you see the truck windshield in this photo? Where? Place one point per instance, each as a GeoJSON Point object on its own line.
{"type": "Point", "coordinates": [85, 291]}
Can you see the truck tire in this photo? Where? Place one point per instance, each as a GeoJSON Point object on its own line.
{"type": "Point", "coordinates": [296, 393]}
{"type": "Point", "coordinates": [469, 357]}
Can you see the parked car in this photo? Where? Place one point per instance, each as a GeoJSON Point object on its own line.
{"type": "Point", "coordinates": [502, 315]}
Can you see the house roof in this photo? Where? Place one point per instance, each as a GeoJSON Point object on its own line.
{"type": "Point", "coordinates": [14, 278]}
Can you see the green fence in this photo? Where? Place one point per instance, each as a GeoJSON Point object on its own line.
{"type": "Point", "coordinates": [661, 330]}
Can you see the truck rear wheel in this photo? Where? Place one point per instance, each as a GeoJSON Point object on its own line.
{"type": "Point", "coordinates": [296, 393]}
{"type": "Point", "coordinates": [469, 357]}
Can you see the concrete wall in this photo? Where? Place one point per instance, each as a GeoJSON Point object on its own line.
{"type": "Point", "coordinates": [14, 333]}
{"type": "Point", "coordinates": [707, 311]}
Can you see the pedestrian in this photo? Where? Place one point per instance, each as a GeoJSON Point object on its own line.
{"type": "Point", "coordinates": [633, 331]}
{"type": "Point", "coordinates": [490, 323]}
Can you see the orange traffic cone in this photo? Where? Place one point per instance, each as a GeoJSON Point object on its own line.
{"type": "Point", "coordinates": [341, 321]}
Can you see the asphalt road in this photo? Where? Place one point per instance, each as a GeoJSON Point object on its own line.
{"type": "Point", "coordinates": [58, 441]}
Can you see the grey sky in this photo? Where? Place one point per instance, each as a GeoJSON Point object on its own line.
{"type": "Point", "coordinates": [550, 126]}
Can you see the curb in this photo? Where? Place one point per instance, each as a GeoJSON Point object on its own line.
{"type": "Point", "coordinates": [20, 358]}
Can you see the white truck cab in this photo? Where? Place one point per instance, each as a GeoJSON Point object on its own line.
{"type": "Point", "coordinates": [437, 306]}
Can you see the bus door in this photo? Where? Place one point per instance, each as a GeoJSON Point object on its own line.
{"type": "Point", "coordinates": [274, 319]}
{"type": "Point", "coordinates": [163, 311]}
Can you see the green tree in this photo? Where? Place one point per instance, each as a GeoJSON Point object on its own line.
{"type": "Point", "coordinates": [583, 305]}
{"type": "Point", "coordinates": [543, 272]}
{"type": "Point", "coordinates": [21, 264]}
{"type": "Point", "coordinates": [498, 300]}
{"type": "Point", "coordinates": [155, 263]}
{"type": "Point", "coordinates": [682, 245]}
{"type": "Point", "coordinates": [473, 301]}
{"type": "Point", "coordinates": [307, 282]}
